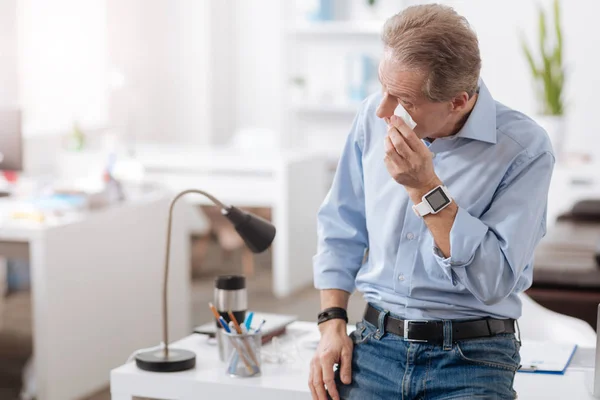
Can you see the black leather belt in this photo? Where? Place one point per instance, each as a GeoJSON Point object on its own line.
{"type": "Point", "coordinates": [433, 331]}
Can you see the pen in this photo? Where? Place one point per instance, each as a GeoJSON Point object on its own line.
{"type": "Point", "coordinates": [238, 329]}
{"type": "Point", "coordinates": [248, 322]}
{"type": "Point", "coordinates": [260, 326]}
{"type": "Point", "coordinates": [220, 319]}
{"type": "Point", "coordinates": [224, 324]}
{"type": "Point", "coordinates": [214, 310]}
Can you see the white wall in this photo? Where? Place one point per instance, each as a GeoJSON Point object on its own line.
{"type": "Point", "coordinates": [62, 64]}
{"type": "Point", "coordinates": [8, 53]}
{"type": "Point", "coordinates": [223, 77]}
{"type": "Point", "coordinates": [259, 94]}
{"type": "Point", "coordinates": [70, 51]}
{"type": "Point", "coordinates": [161, 49]}
{"type": "Point", "coordinates": [200, 70]}
{"type": "Point", "coordinates": [506, 73]}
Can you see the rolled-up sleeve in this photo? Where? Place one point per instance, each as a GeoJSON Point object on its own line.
{"type": "Point", "coordinates": [341, 224]}
{"type": "Point", "coordinates": [488, 254]}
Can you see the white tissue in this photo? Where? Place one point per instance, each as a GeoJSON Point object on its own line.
{"type": "Point", "coordinates": [402, 113]}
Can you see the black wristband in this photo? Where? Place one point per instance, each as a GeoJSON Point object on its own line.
{"type": "Point", "coordinates": [332, 313]}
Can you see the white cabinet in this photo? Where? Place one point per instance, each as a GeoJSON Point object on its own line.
{"type": "Point", "coordinates": [291, 183]}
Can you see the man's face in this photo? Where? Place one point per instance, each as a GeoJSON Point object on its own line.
{"type": "Point", "coordinates": [402, 86]}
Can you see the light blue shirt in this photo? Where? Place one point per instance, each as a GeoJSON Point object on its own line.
{"type": "Point", "coordinates": [497, 168]}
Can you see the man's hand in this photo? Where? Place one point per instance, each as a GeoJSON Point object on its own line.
{"type": "Point", "coordinates": [335, 347]}
{"type": "Point", "coordinates": [407, 158]}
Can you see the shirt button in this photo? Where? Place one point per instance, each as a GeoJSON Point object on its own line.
{"type": "Point", "coordinates": [410, 236]}
{"type": "Point", "coordinates": [400, 277]}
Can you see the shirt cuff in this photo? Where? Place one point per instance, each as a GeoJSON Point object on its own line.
{"type": "Point", "coordinates": [331, 274]}
{"type": "Point", "coordinates": [466, 236]}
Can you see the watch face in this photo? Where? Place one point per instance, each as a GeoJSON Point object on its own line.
{"type": "Point", "coordinates": [437, 199]}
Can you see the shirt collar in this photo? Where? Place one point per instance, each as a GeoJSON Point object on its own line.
{"type": "Point", "coordinates": [481, 124]}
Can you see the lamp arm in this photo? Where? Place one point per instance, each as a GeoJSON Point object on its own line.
{"type": "Point", "coordinates": [167, 256]}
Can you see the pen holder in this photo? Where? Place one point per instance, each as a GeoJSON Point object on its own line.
{"type": "Point", "coordinates": [242, 353]}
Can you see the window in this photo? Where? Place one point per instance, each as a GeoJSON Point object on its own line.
{"type": "Point", "coordinates": [62, 58]}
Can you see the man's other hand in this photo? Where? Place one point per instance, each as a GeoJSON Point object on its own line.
{"type": "Point", "coordinates": [335, 347]}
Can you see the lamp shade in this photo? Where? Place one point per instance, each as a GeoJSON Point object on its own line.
{"type": "Point", "coordinates": [257, 233]}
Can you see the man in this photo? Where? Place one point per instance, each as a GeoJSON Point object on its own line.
{"type": "Point", "coordinates": [436, 226]}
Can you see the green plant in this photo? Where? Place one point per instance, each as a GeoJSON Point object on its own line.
{"type": "Point", "coordinates": [75, 141]}
{"type": "Point", "coordinates": [549, 72]}
{"type": "Point", "coordinates": [298, 81]}
{"type": "Point", "coordinates": [371, 2]}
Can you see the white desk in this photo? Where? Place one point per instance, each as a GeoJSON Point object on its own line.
{"type": "Point", "coordinates": [96, 290]}
{"type": "Point", "coordinates": [209, 380]}
{"type": "Point", "coordinates": [292, 183]}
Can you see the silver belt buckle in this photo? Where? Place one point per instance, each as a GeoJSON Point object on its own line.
{"type": "Point", "coordinates": [407, 322]}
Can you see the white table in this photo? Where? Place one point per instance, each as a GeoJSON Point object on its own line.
{"type": "Point", "coordinates": [96, 284]}
{"type": "Point", "coordinates": [209, 380]}
{"type": "Point", "coordinates": [292, 183]}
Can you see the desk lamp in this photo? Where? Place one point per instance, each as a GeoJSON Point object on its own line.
{"type": "Point", "coordinates": [257, 233]}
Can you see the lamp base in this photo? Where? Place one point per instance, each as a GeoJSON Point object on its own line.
{"type": "Point", "coordinates": [155, 361]}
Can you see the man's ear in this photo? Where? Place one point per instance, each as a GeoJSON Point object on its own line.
{"type": "Point", "coordinates": [460, 102]}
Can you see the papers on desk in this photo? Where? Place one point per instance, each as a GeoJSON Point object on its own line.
{"type": "Point", "coordinates": [546, 357]}
{"type": "Point", "coordinates": [45, 208]}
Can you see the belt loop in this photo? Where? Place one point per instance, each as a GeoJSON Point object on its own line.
{"type": "Point", "coordinates": [381, 324]}
{"type": "Point", "coordinates": [447, 335]}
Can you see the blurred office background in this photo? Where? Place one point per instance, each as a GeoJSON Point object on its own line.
{"type": "Point", "coordinates": [123, 103]}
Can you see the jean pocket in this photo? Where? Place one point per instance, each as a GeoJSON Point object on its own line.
{"type": "Point", "coordinates": [500, 352]}
{"type": "Point", "coordinates": [362, 333]}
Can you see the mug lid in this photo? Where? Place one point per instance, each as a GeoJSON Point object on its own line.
{"type": "Point", "coordinates": [230, 282]}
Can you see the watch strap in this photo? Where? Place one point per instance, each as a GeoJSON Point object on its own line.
{"type": "Point", "coordinates": [422, 209]}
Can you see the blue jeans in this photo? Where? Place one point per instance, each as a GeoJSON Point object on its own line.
{"type": "Point", "coordinates": [386, 367]}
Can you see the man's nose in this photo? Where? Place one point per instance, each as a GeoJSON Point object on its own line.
{"type": "Point", "coordinates": [386, 108]}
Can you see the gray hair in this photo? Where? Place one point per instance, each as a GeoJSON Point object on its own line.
{"type": "Point", "coordinates": [437, 41]}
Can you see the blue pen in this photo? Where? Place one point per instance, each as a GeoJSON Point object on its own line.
{"type": "Point", "coordinates": [260, 326]}
{"type": "Point", "coordinates": [224, 325]}
{"type": "Point", "coordinates": [249, 320]}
